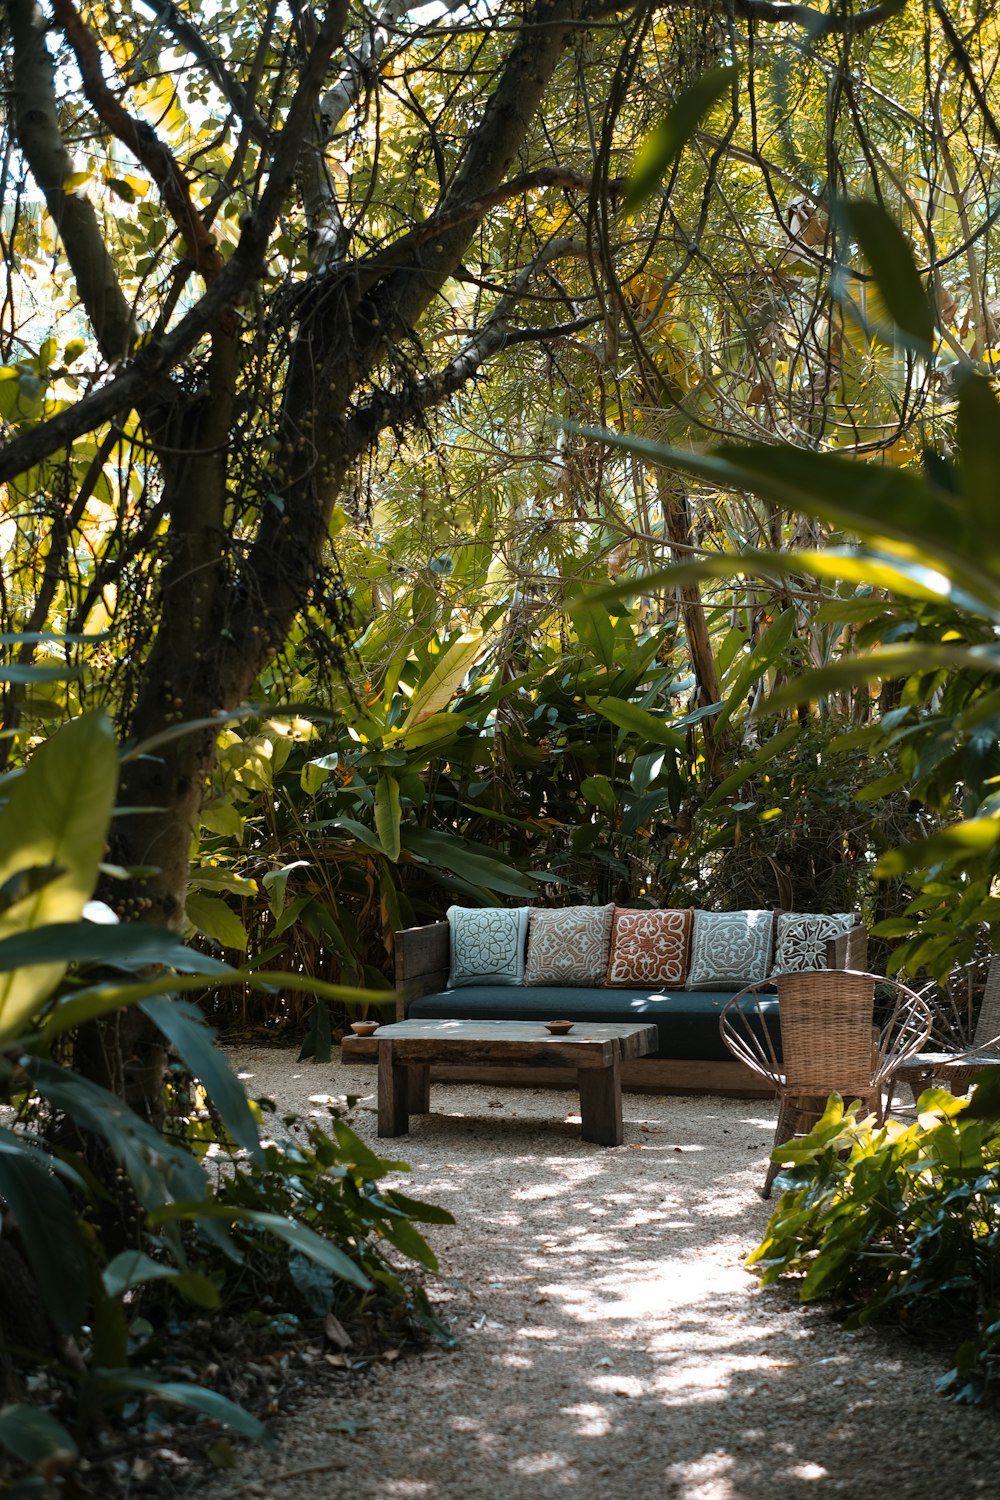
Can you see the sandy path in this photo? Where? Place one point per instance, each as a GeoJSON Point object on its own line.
{"type": "Point", "coordinates": [613, 1346]}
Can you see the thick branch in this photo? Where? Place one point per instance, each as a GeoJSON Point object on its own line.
{"type": "Point", "coordinates": [326, 225]}
{"type": "Point", "coordinates": [392, 410]}
{"type": "Point", "coordinates": [191, 39]}
{"type": "Point", "coordinates": [153, 363]}
{"type": "Point", "coordinates": [141, 139]}
{"type": "Point", "coordinates": [342, 337]}
{"type": "Point", "coordinates": [817, 22]}
{"type": "Point", "coordinates": [40, 139]}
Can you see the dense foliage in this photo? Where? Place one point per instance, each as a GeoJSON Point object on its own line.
{"type": "Point", "coordinates": [313, 325]}
{"type": "Point", "coordinates": [900, 1222]}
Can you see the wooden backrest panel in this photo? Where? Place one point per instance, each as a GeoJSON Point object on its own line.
{"type": "Point", "coordinates": [849, 950]}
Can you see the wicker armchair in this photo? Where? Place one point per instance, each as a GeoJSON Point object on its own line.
{"type": "Point", "coordinates": [955, 1070]}
{"type": "Point", "coordinates": [830, 1040]}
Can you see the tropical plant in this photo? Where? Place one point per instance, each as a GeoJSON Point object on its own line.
{"type": "Point", "coordinates": [899, 1222]}
{"type": "Point", "coordinates": [75, 1259]}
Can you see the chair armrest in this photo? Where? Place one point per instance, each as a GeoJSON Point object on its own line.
{"type": "Point", "coordinates": [422, 960]}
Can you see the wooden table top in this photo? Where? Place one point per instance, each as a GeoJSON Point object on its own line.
{"type": "Point", "coordinates": [633, 1039]}
{"type": "Point", "coordinates": [943, 1060]}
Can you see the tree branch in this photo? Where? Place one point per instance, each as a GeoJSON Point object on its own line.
{"type": "Point", "coordinates": [141, 139]}
{"type": "Point", "coordinates": [36, 120]}
{"type": "Point", "coordinates": [147, 372]}
{"type": "Point", "coordinates": [182, 30]}
{"type": "Point", "coordinates": [392, 409]}
{"type": "Point", "coordinates": [817, 22]}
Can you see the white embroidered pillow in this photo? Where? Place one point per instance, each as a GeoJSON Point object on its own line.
{"type": "Point", "coordinates": [730, 949]}
{"type": "Point", "coordinates": [801, 936]}
{"type": "Point", "coordinates": [487, 944]}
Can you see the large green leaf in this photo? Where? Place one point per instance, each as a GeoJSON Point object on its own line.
{"type": "Point", "coordinates": [663, 145]}
{"type": "Point", "coordinates": [159, 1169]}
{"type": "Point", "coordinates": [110, 995]}
{"type": "Point", "coordinates": [36, 1438]}
{"type": "Point", "coordinates": [929, 528]}
{"type": "Point", "coordinates": [888, 253]}
{"type": "Point", "coordinates": [387, 814]}
{"type": "Point", "coordinates": [185, 1029]}
{"type": "Point", "coordinates": [130, 944]}
{"type": "Point", "coordinates": [299, 1236]}
{"type": "Point", "coordinates": [132, 1268]}
{"type": "Point", "coordinates": [772, 747]}
{"type": "Point", "coordinates": [194, 1397]}
{"type": "Point", "coordinates": [598, 791]}
{"type": "Point", "coordinates": [215, 918]}
{"type": "Point", "coordinates": [46, 1220]}
{"type": "Point", "coordinates": [478, 869]}
{"type": "Point", "coordinates": [57, 814]}
{"type": "Point", "coordinates": [979, 445]}
{"type": "Point", "coordinates": [652, 728]}
{"type": "Point", "coordinates": [446, 677]}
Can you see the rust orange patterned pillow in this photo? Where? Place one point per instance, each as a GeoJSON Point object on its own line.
{"type": "Point", "coordinates": [649, 948]}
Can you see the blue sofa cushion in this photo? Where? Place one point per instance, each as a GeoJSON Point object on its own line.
{"type": "Point", "coordinates": [687, 1022]}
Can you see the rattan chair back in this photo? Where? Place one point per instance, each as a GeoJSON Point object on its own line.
{"type": "Point", "coordinates": [827, 1020]}
{"type": "Point", "coordinates": [831, 1039]}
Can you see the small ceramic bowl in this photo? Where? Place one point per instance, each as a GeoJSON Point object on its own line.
{"type": "Point", "coordinates": [558, 1028]}
{"type": "Point", "coordinates": [364, 1028]}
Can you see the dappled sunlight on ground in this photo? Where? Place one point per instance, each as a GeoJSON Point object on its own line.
{"type": "Point", "coordinates": [612, 1344]}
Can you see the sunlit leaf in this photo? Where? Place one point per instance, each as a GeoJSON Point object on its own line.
{"type": "Point", "coordinates": [663, 145]}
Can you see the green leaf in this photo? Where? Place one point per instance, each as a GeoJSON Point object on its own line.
{"type": "Point", "coordinates": [638, 721]}
{"type": "Point", "coordinates": [931, 527]}
{"type": "Point", "coordinates": [130, 944]}
{"type": "Point", "coordinates": [772, 747]}
{"type": "Point", "coordinates": [185, 1029]}
{"type": "Point", "coordinates": [16, 671]}
{"type": "Point", "coordinates": [57, 813]}
{"type": "Point", "coordinates": [888, 253]}
{"type": "Point", "coordinates": [158, 1169]}
{"type": "Point", "coordinates": [598, 791]}
{"type": "Point", "coordinates": [387, 814]}
{"type": "Point", "coordinates": [594, 627]}
{"type": "Point", "coordinates": [194, 1397]}
{"type": "Point", "coordinates": [439, 688]}
{"type": "Point", "coordinates": [46, 1219]}
{"type": "Point", "coordinates": [130, 1269]}
{"type": "Point", "coordinates": [443, 850]}
{"type": "Point", "coordinates": [962, 843]}
{"type": "Point", "coordinates": [299, 1236]}
{"type": "Point", "coordinates": [979, 447]}
{"type": "Point", "coordinates": [663, 145]}
{"type": "Point", "coordinates": [35, 1437]}
{"type": "Point", "coordinates": [211, 915]}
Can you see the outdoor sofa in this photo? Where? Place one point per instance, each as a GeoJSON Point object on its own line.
{"type": "Point", "coordinates": [676, 969]}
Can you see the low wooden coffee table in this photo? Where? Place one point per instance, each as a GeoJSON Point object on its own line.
{"type": "Point", "coordinates": [406, 1050]}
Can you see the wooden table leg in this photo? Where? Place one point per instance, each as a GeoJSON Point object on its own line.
{"type": "Point", "coordinates": [419, 1088]}
{"type": "Point", "coordinates": [601, 1103]}
{"type": "Point", "coordinates": [393, 1092]}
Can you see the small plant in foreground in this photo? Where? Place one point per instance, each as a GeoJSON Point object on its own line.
{"type": "Point", "coordinates": [900, 1221]}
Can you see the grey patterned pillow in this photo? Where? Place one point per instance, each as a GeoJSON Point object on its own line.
{"type": "Point", "coordinates": [800, 939]}
{"type": "Point", "coordinates": [729, 949]}
{"type": "Point", "coordinates": [569, 945]}
{"type": "Point", "coordinates": [487, 944]}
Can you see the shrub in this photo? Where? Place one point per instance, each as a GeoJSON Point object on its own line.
{"type": "Point", "coordinates": [902, 1222]}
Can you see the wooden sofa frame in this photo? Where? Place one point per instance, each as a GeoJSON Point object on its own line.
{"type": "Point", "coordinates": [422, 960]}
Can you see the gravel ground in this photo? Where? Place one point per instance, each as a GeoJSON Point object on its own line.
{"type": "Point", "coordinates": [612, 1345]}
